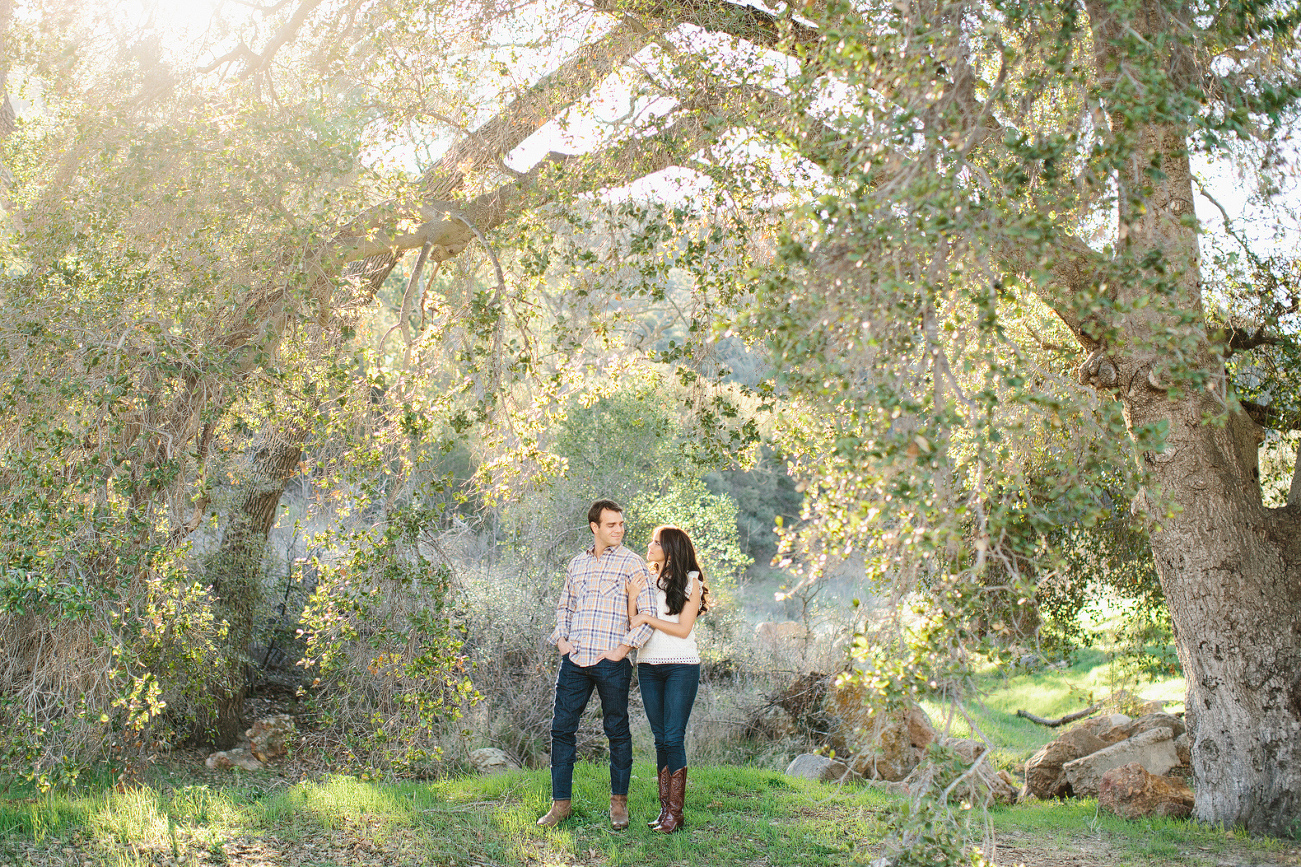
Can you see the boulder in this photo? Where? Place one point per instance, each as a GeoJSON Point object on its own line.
{"type": "Point", "coordinates": [1184, 749]}
{"type": "Point", "coordinates": [236, 758]}
{"type": "Point", "coordinates": [887, 752]}
{"type": "Point", "coordinates": [1153, 749]}
{"type": "Point", "coordinates": [1131, 792]}
{"type": "Point", "coordinates": [967, 748]}
{"type": "Point", "coordinates": [921, 733]}
{"type": "Point", "coordinates": [269, 737]}
{"type": "Point", "coordinates": [1110, 728]}
{"type": "Point", "coordinates": [1146, 708]}
{"type": "Point", "coordinates": [902, 787]}
{"type": "Point", "coordinates": [490, 760]}
{"type": "Point", "coordinates": [1153, 721]}
{"type": "Point", "coordinates": [811, 766]}
{"type": "Point", "coordinates": [885, 745]}
{"type": "Point", "coordinates": [1044, 774]}
{"type": "Point", "coordinates": [981, 786]}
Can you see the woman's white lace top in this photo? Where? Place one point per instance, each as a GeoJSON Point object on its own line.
{"type": "Point", "coordinates": [661, 648]}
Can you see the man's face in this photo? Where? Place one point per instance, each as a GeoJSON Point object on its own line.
{"type": "Point", "coordinates": [609, 532]}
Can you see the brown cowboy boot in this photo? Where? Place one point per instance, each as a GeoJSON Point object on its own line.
{"type": "Point", "coordinates": [654, 824]}
{"type": "Point", "coordinates": [558, 813]}
{"type": "Point", "coordinates": [677, 799]}
{"type": "Point", "coordinates": [619, 812]}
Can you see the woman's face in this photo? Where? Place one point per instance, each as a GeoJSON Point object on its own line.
{"type": "Point", "coordinates": [654, 553]}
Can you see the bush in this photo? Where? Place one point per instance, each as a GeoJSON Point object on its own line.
{"type": "Point", "coordinates": [385, 646]}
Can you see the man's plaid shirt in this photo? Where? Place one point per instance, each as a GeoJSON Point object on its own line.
{"type": "Point", "coordinates": [593, 609]}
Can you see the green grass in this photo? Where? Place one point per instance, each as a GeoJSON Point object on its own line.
{"type": "Point", "coordinates": [736, 816]}
{"type": "Point", "coordinates": [1078, 825]}
{"type": "Point", "coordinates": [1047, 693]}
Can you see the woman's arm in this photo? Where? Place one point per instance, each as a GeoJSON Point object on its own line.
{"type": "Point", "coordinates": [633, 589]}
{"type": "Point", "coordinates": [686, 620]}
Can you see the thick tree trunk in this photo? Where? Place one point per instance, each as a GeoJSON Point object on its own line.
{"type": "Point", "coordinates": [1230, 568]}
{"type": "Point", "coordinates": [1228, 565]}
{"type": "Point", "coordinates": [235, 571]}
{"type": "Point", "coordinates": [1231, 571]}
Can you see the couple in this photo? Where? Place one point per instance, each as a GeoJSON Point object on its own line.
{"type": "Point", "coordinates": [609, 605]}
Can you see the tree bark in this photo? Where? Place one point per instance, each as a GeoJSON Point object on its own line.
{"type": "Point", "coordinates": [1229, 567]}
{"type": "Point", "coordinates": [235, 572]}
{"type": "Point", "coordinates": [1230, 570]}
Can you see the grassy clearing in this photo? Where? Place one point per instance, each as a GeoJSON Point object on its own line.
{"type": "Point", "coordinates": [1078, 826]}
{"type": "Point", "coordinates": [736, 816]}
{"type": "Point", "coordinates": [1047, 693]}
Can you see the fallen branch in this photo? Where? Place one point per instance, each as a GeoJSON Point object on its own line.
{"type": "Point", "coordinates": [1060, 721]}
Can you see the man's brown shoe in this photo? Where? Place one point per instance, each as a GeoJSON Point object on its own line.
{"type": "Point", "coordinates": [558, 813]}
{"type": "Point", "coordinates": [619, 812]}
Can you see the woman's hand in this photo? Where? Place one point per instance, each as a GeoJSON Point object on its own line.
{"type": "Point", "coordinates": [638, 619]}
{"type": "Point", "coordinates": [635, 585]}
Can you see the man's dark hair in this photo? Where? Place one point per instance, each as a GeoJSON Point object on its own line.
{"type": "Point", "coordinates": [594, 513]}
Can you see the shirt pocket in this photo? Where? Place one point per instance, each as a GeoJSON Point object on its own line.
{"type": "Point", "coordinates": [611, 587]}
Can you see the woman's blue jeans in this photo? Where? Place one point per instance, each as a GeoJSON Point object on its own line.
{"type": "Point", "coordinates": [668, 691]}
{"type": "Point", "coordinates": [574, 685]}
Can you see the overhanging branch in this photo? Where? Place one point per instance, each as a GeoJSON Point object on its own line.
{"type": "Point", "coordinates": [718, 16]}
{"type": "Point", "coordinates": [443, 224]}
{"type": "Point", "coordinates": [255, 62]}
{"type": "Point", "coordinates": [1241, 339]}
{"type": "Point", "coordinates": [1075, 271]}
{"type": "Point", "coordinates": [541, 103]}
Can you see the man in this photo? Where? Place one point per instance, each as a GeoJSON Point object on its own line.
{"type": "Point", "coordinates": [593, 638]}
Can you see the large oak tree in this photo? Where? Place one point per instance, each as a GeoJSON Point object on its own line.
{"type": "Point", "coordinates": [914, 177]}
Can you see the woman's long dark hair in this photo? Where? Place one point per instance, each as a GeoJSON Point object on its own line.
{"type": "Point", "coordinates": [679, 560]}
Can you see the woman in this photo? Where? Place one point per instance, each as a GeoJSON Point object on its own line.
{"type": "Point", "coordinates": [668, 664]}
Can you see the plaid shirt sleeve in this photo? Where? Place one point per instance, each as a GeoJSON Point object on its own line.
{"type": "Point", "coordinates": [564, 609]}
{"type": "Point", "coordinates": [645, 605]}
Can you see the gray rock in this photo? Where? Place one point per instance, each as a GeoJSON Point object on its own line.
{"type": "Point", "coordinates": [982, 784]}
{"type": "Point", "coordinates": [236, 758]}
{"type": "Point", "coordinates": [1044, 774]}
{"type": "Point", "coordinates": [1184, 749]}
{"type": "Point", "coordinates": [269, 737]}
{"type": "Point", "coordinates": [1154, 750]}
{"type": "Point", "coordinates": [811, 766]}
{"type": "Point", "coordinates": [1152, 721]}
{"type": "Point", "coordinates": [898, 788]}
{"type": "Point", "coordinates": [490, 760]}
{"type": "Point", "coordinates": [967, 748]}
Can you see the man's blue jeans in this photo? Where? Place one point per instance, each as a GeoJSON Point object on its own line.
{"type": "Point", "coordinates": [668, 691]}
{"type": "Point", "coordinates": [574, 685]}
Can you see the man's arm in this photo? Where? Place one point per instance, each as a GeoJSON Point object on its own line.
{"type": "Point", "coordinates": [632, 589]}
{"type": "Point", "coordinates": [639, 635]}
{"type": "Point", "coordinates": [564, 616]}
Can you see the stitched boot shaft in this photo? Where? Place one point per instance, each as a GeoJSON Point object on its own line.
{"type": "Point", "coordinates": [677, 799]}
{"type": "Point", "coordinates": [619, 812]}
{"type": "Point", "coordinates": [558, 813]}
{"type": "Point", "coordinates": [655, 823]}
